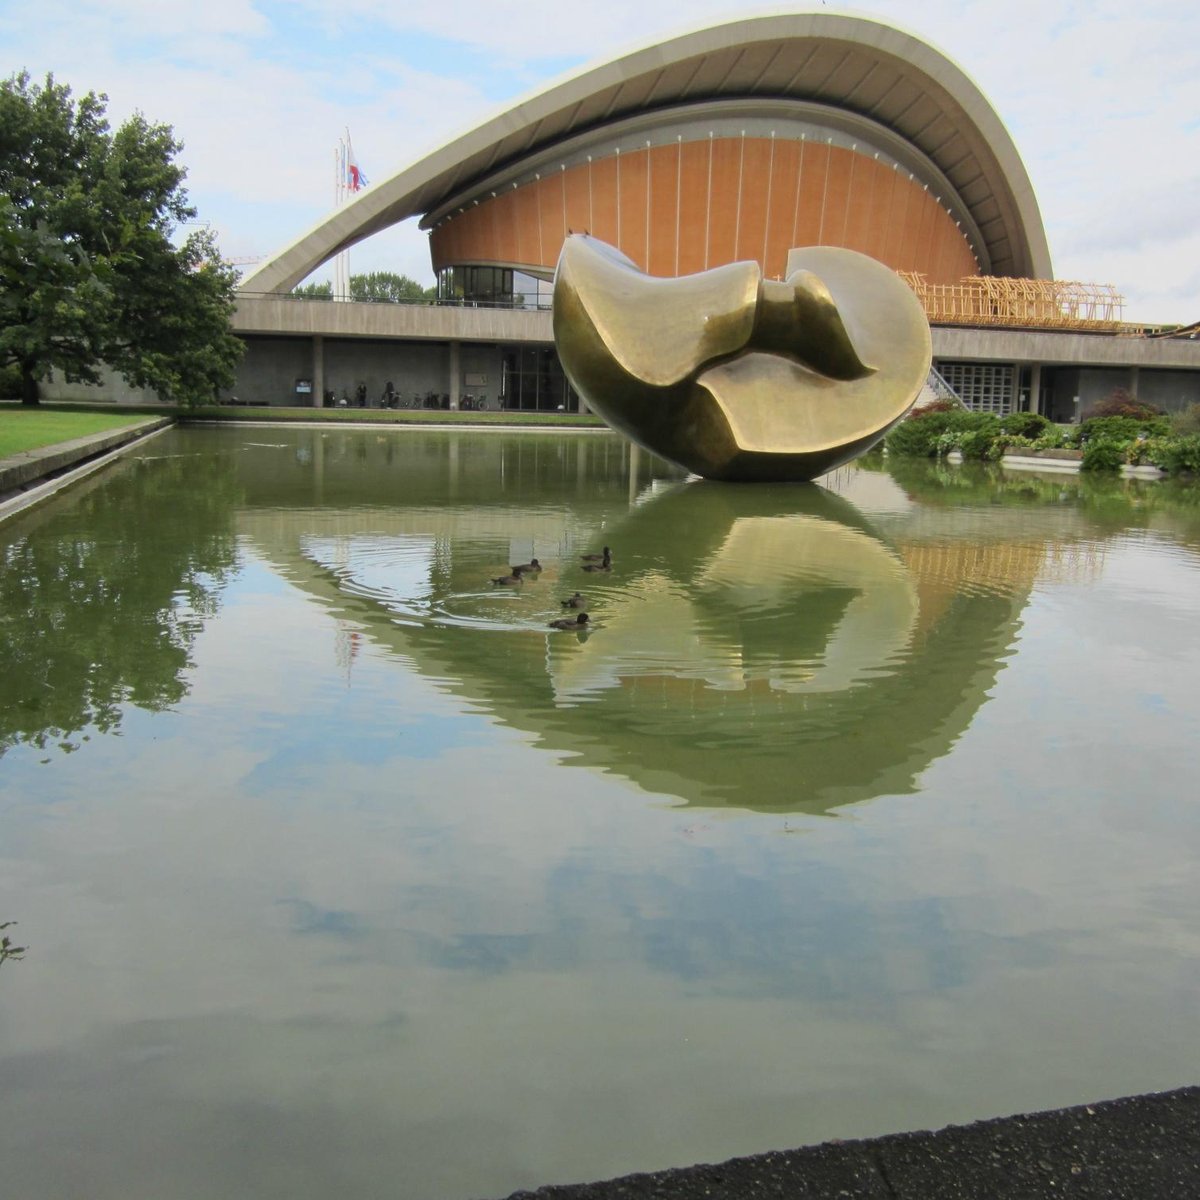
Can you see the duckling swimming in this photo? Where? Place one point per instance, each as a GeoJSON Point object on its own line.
{"type": "Point", "coordinates": [605, 563]}
{"type": "Point", "coordinates": [597, 557]}
{"type": "Point", "coordinates": [575, 623]}
{"type": "Point", "coordinates": [575, 601]}
{"type": "Point", "coordinates": [532, 567]}
{"type": "Point", "coordinates": [509, 580]}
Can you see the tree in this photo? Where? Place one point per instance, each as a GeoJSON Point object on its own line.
{"type": "Point", "coordinates": [387, 286]}
{"type": "Point", "coordinates": [108, 621]}
{"type": "Point", "coordinates": [374, 287]}
{"type": "Point", "coordinates": [89, 270]}
{"type": "Point", "coordinates": [314, 291]}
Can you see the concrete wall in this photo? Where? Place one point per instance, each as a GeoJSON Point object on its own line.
{"type": "Point", "coordinates": [112, 388]}
{"type": "Point", "coordinates": [1172, 391]}
{"type": "Point", "coordinates": [269, 369]}
{"type": "Point", "coordinates": [269, 316]}
{"type": "Point", "coordinates": [1052, 348]}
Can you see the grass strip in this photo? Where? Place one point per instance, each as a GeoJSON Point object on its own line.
{"type": "Point", "coordinates": [23, 428]}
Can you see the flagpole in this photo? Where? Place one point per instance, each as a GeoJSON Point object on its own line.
{"type": "Point", "coordinates": [337, 203]}
{"type": "Point", "coordinates": [339, 183]}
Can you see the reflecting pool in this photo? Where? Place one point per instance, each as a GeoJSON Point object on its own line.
{"type": "Point", "coordinates": [863, 807]}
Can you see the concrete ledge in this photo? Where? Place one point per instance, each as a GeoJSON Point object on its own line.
{"type": "Point", "coordinates": [1137, 1148]}
{"type": "Point", "coordinates": [21, 471]}
{"type": "Point", "coordinates": [1060, 461]}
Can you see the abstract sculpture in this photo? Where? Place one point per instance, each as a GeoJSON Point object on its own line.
{"type": "Point", "coordinates": [737, 377]}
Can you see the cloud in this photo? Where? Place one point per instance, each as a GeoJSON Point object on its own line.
{"type": "Point", "coordinates": [1100, 100]}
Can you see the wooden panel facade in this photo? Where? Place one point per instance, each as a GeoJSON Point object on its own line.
{"type": "Point", "coordinates": [679, 208]}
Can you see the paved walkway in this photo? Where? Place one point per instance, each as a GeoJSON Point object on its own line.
{"type": "Point", "coordinates": [1138, 1148]}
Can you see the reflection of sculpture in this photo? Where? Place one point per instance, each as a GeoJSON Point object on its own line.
{"type": "Point", "coordinates": [738, 377]}
{"type": "Point", "coordinates": [768, 647]}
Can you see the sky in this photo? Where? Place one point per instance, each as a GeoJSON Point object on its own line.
{"type": "Point", "coordinates": [1102, 100]}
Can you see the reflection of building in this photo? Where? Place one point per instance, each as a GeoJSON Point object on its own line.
{"type": "Point", "coordinates": [759, 647]}
{"type": "Point", "coordinates": [735, 142]}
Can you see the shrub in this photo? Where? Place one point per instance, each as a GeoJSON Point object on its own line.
{"type": "Point", "coordinates": [1152, 451]}
{"type": "Point", "coordinates": [1181, 454]}
{"type": "Point", "coordinates": [1120, 402]}
{"type": "Point", "coordinates": [981, 445]}
{"type": "Point", "coordinates": [1124, 429]}
{"type": "Point", "coordinates": [1053, 439]}
{"type": "Point", "coordinates": [1186, 423]}
{"type": "Point", "coordinates": [1024, 424]}
{"type": "Point", "coordinates": [921, 435]}
{"type": "Point", "coordinates": [1103, 454]}
{"type": "Point", "coordinates": [1017, 444]}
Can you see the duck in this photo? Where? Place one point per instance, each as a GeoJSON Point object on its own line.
{"type": "Point", "coordinates": [576, 623]}
{"type": "Point", "coordinates": [532, 567]}
{"type": "Point", "coordinates": [509, 580]}
{"type": "Point", "coordinates": [597, 557]}
{"type": "Point", "coordinates": [605, 563]}
{"type": "Point", "coordinates": [575, 601]}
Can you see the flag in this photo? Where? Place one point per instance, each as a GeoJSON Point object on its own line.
{"type": "Point", "coordinates": [356, 180]}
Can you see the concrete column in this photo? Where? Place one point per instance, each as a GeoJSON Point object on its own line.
{"type": "Point", "coordinates": [455, 375]}
{"type": "Point", "coordinates": [1035, 388]}
{"type": "Point", "coordinates": [1134, 373]}
{"type": "Point", "coordinates": [318, 371]}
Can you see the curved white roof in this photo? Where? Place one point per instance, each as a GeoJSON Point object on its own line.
{"type": "Point", "coordinates": [853, 63]}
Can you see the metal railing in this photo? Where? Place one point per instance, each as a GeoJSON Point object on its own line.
{"type": "Point", "coordinates": [941, 387]}
{"type": "Point", "coordinates": [514, 305]}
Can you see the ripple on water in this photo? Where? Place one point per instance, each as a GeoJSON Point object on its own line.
{"type": "Point", "coordinates": [415, 584]}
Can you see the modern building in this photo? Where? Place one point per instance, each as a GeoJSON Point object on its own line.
{"type": "Point", "coordinates": [728, 143]}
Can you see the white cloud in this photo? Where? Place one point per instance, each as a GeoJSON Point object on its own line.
{"type": "Point", "coordinates": [1099, 98]}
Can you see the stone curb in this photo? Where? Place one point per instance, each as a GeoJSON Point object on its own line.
{"type": "Point", "coordinates": [20, 471]}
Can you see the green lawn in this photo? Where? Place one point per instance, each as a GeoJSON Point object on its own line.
{"type": "Point", "coordinates": [29, 428]}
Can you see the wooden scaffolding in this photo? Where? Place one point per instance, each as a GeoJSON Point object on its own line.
{"type": "Point", "coordinates": [1019, 303]}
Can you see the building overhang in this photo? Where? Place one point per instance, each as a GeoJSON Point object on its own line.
{"type": "Point", "coordinates": [859, 66]}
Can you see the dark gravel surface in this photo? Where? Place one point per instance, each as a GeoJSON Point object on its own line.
{"type": "Point", "coordinates": [1137, 1148]}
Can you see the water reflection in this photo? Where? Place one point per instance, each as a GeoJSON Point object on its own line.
{"type": "Point", "coordinates": [105, 591]}
{"type": "Point", "coordinates": [760, 647]}
{"type": "Point", "coordinates": [342, 913]}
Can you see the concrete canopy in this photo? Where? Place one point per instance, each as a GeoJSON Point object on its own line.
{"type": "Point", "coordinates": [856, 64]}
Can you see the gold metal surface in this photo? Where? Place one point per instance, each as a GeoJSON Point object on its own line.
{"type": "Point", "coordinates": [736, 377]}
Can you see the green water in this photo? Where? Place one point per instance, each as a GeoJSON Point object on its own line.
{"type": "Point", "coordinates": [862, 808]}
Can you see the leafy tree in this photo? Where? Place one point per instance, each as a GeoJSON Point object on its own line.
{"type": "Point", "coordinates": [375, 287]}
{"type": "Point", "coordinates": [1121, 402]}
{"type": "Point", "coordinates": [106, 620]}
{"type": "Point", "coordinates": [89, 272]}
{"type": "Point", "coordinates": [314, 291]}
{"type": "Point", "coordinates": [388, 286]}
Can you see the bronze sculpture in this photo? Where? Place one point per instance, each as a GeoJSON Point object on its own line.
{"type": "Point", "coordinates": [737, 377]}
